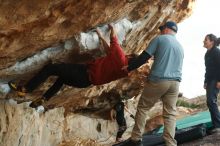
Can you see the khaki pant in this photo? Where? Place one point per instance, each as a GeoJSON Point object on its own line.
{"type": "Point", "coordinates": [167, 91]}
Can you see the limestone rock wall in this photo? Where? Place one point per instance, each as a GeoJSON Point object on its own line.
{"type": "Point", "coordinates": [21, 125]}
{"type": "Point", "coordinates": [27, 27]}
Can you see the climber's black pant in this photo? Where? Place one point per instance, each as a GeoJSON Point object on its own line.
{"type": "Point", "coordinates": [70, 74]}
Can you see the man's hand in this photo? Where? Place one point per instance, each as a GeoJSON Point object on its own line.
{"type": "Point", "coordinates": [218, 85]}
{"type": "Point", "coordinates": [110, 26]}
{"type": "Point", "coordinates": [125, 68]}
{"type": "Point", "coordinates": [205, 85]}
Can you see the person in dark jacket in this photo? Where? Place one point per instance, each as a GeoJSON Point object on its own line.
{"type": "Point", "coordinates": [212, 78]}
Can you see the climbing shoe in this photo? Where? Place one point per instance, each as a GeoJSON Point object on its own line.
{"type": "Point", "coordinates": [18, 89]}
{"type": "Point", "coordinates": [37, 102]}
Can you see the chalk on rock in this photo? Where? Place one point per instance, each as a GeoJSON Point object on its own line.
{"type": "Point", "coordinates": [40, 109]}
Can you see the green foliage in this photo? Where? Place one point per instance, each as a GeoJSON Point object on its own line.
{"type": "Point", "coordinates": [186, 104]}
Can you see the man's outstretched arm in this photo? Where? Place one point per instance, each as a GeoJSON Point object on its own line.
{"type": "Point", "coordinates": [137, 62]}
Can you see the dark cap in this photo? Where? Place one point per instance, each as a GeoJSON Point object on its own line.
{"type": "Point", "coordinates": [169, 24]}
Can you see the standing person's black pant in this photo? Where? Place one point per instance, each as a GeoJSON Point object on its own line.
{"type": "Point", "coordinates": [70, 74]}
{"type": "Point", "coordinates": [212, 102]}
{"type": "Point", "coordinates": [122, 127]}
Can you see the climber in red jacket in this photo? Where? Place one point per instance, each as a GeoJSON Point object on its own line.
{"type": "Point", "coordinates": [99, 71]}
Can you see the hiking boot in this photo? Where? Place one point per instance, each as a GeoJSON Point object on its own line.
{"type": "Point", "coordinates": [37, 102]}
{"type": "Point", "coordinates": [18, 89]}
{"type": "Point", "coordinates": [134, 143]}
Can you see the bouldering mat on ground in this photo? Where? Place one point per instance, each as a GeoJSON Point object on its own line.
{"type": "Point", "coordinates": [192, 120]}
{"type": "Point", "coordinates": [181, 136]}
{"type": "Point", "coordinates": [188, 129]}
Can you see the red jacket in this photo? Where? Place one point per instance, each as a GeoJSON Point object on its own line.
{"type": "Point", "coordinates": [109, 68]}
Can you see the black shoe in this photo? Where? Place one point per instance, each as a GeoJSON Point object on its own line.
{"type": "Point", "coordinates": [134, 143]}
{"type": "Point", "coordinates": [37, 102]}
